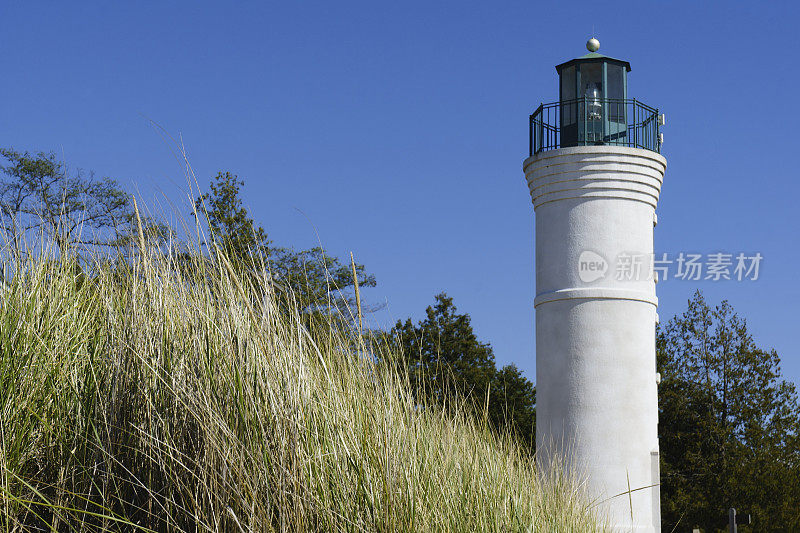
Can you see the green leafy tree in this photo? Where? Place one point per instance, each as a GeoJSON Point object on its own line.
{"type": "Point", "coordinates": [229, 221]}
{"type": "Point", "coordinates": [37, 194]}
{"type": "Point", "coordinates": [514, 401]}
{"type": "Point", "coordinates": [448, 364]}
{"type": "Point", "coordinates": [318, 281]}
{"type": "Point", "coordinates": [728, 425]}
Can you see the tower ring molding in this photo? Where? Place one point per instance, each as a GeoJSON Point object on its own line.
{"type": "Point", "coordinates": [615, 172]}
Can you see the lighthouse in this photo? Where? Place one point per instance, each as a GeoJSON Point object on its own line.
{"type": "Point", "coordinates": [594, 173]}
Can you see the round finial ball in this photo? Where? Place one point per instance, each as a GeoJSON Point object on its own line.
{"type": "Point", "coordinates": [593, 45]}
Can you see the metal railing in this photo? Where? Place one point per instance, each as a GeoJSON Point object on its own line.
{"type": "Point", "coordinates": [594, 121]}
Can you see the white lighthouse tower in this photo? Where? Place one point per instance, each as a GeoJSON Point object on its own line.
{"type": "Point", "coordinates": [595, 174]}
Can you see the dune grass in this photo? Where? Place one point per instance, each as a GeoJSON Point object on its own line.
{"type": "Point", "coordinates": [177, 395]}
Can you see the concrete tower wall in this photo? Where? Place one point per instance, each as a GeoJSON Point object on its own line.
{"type": "Point", "coordinates": [595, 338]}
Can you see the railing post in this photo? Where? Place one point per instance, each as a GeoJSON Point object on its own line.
{"type": "Point", "coordinates": [540, 133]}
{"type": "Point", "coordinates": [530, 135]}
{"type": "Point", "coordinates": [657, 128]}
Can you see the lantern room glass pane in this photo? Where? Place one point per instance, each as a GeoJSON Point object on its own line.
{"type": "Point", "coordinates": [591, 79]}
{"type": "Point", "coordinates": [616, 88]}
{"type": "Point", "coordinates": [568, 83]}
{"type": "Point", "coordinates": [591, 113]}
{"type": "Point", "coordinates": [568, 86]}
{"type": "Point", "coordinates": [616, 91]}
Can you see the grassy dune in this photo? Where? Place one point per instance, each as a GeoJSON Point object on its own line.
{"type": "Point", "coordinates": [179, 396]}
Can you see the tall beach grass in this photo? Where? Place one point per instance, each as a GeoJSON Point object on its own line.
{"type": "Point", "coordinates": [172, 393]}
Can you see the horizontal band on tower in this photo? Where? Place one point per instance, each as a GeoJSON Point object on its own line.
{"type": "Point", "coordinates": [584, 172]}
{"type": "Point", "coordinates": [603, 153]}
{"type": "Point", "coordinates": [595, 293]}
{"type": "Point", "coordinates": [611, 193]}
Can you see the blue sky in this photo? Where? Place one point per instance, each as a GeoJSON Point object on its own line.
{"type": "Point", "coordinates": [398, 131]}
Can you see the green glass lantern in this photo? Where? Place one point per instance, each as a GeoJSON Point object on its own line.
{"type": "Point", "coordinates": [592, 93]}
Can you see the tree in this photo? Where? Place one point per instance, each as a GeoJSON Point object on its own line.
{"type": "Point", "coordinates": [229, 221]}
{"type": "Point", "coordinates": [728, 424]}
{"type": "Point", "coordinates": [318, 281]}
{"type": "Point", "coordinates": [447, 363]}
{"type": "Point", "coordinates": [37, 194]}
{"type": "Point", "coordinates": [515, 403]}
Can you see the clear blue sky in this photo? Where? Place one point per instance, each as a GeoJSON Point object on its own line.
{"type": "Point", "coordinates": [399, 130]}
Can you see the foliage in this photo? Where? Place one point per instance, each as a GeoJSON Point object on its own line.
{"type": "Point", "coordinates": [318, 281]}
{"type": "Point", "coordinates": [513, 403]}
{"type": "Point", "coordinates": [447, 364]}
{"type": "Point", "coordinates": [38, 195]}
{"type": "Point", "coordinates": [728, 425]}
{"type": "Point", "coordinates": [195, 399]}
{"type": "Point", "coordinates": [229, 221]}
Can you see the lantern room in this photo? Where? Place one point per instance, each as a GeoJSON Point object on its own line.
{"type": "Point", "coordinates": [593, 108]}
{"type": "Point", "coordinates": [593, 88]}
